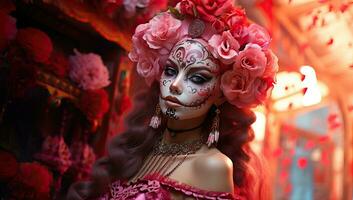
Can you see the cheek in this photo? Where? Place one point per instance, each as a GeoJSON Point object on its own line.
{"type": "Point", "coordinates": [207, 90]}
{"type": "Point", "coordinates": [198, 95]}
{"type": "Point", "coordinates": [202, 91]}
{"type": "Point", "coordinates": [164, 84]}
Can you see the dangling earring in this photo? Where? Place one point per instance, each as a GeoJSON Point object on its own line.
{"type": "Point", "coordinates": [214, 134]}
{"type": "Point", "coordinates": [156, 119]}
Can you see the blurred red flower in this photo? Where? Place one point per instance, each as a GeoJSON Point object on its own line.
{"type": "Point", "coordinates": [94, 103]}
{"type": "Point", "coordinates": [8, 166]}
{"type": "Point", "coordinates": [8, 30]}
{"type": "Point", "coordinates": [36, 43]}
{"type": "Point", "coordinates": [32, 183]}
{"type": "Point", "coordinates": [58, 64]}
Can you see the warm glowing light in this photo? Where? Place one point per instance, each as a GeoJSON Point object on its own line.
{"type": "Point", "coordinates": [312, 95]}
{"type": "Point", "coordinates": [259, 126]}
{"type": "Point", "coordinates": [292, 91]}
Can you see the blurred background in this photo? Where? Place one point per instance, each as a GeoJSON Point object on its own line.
{"type": "Point", "coordinates": [66, 84]}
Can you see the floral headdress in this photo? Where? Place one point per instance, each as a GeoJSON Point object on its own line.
{"type": "Point", "coordinates": [241, 47]}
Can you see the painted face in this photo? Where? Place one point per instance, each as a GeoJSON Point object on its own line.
{"type": "Point", "coordinates": [189, 84]}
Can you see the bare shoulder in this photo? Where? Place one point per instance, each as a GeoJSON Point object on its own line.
{"type": "Point", "coordinates": [213, 171]}
{"type": "Point", "coordinates": [214, 161]}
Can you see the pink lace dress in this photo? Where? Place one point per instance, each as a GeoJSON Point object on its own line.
{"type": "Point", "coordinates": [154, 187]}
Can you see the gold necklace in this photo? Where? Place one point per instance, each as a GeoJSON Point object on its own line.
{"type": "Point", "coordinates": [189, 147]}
{"type": "Point", "coordinates": [166, 158]}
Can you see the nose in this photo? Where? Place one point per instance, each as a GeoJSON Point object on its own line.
{"type": "Point", "coordinates": [176, 86]}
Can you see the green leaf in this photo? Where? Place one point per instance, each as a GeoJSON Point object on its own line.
{"type": "Point", "coordinates": [176, 13]}
{"type": "Point", "coordinates": [196, 14]}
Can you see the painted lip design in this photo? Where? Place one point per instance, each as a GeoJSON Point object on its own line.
{"type": "Point", "coordinates": [173, 101]}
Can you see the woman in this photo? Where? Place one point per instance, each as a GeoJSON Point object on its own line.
{"type": "Point", "coordinates": [206, 67]}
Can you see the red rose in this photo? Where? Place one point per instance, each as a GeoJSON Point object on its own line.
{"type": "Point", "coordinates": [208, 10]}
{"type": "Point", "coordinates": [235, 18]}
{"type": "Point", "coordinates": [58, 64]}
{"type": "Point", "coordinates": [240, 33]}
{"type": "Point", "coordinates": [32, 182]}
{"type": "Point", "coordinates": [111, 6]}
{"type": "Point", "coordinates": [8, 30]}
{"type": "Point", "coordinates": [8, 166]}
{"type": "Point", "coordinates": [7, 6]}
{"type": "Point", "coordinates": [218, 25]}
{"type": "Point", "coordinates": [94, 103]}
{"type": "Point", "coordinates": [22, 75]}
{"type": "Point", "coordinates": [36, 43]}
{"type": "Point", "coordinates": [187, 7]}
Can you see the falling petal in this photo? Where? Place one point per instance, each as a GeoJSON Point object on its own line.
{"type": "Point", "coordinates": [344, 7]}
{"type": "Point", "coordinates": [323, 138]}
{"type": "Point", "coordinates": [332, 117]}
{"type": "Point", "coordinates": [309, 145]}
{"type": "Point", "coordinates": [277, 152]}
{"type": "Point", "coordinates": [302, 162]}
{"type": "Point", "coordinates": [335, 126]}
{"type": "Point", "coordinates": [330, 42]}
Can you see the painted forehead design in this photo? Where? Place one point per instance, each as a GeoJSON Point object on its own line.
{"type": "Point", "coordinates": [191, 52]}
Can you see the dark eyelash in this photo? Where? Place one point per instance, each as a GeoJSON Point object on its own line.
{"type": "Point", "coordinates": [170, 71]}
{"type": "Point", "coordinates": [199, 79]}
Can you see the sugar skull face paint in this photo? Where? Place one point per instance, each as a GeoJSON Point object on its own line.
{"type": "Point", "coordinates": [190, 81]}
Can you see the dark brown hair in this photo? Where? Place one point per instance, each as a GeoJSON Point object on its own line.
{"type": "Point", "coordinates": [127, 151]}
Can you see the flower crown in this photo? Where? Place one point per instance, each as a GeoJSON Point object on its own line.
{"type": "Point", "coordinates": [241, 47]}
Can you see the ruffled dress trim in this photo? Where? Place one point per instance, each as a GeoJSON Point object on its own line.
{"type": "Point", "coordinates": [156, 187]}
{"type": "Point", "coordinates": [189, 190]}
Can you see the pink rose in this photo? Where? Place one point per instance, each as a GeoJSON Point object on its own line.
{"type": "Point", "coordinates": [88, 71]}
{"type": "Point", "coordinates": [240, 33]}
{"type": "Point", "coordinates": [152, 43]}
{"type": "Point", "coordinates": [163, 33]}
{"type": "Point", "coordinates": [259, 91]}
{"type": "Point", "coordinates": [225, 47]}
{"type": "Point", "coordinates": [252, 59]}
{"type": "Point", "coordinates": [149, 68]}
{"type": "Point", "coordinates": [258, 35]}
{"type": "Point", "coordinates": [271, 64]}
{"type": "Point", "coordinates": [263, 88]}
{"type": "Point", "coordinates": [140, 47]}
{"type": "Point", "coordinates": [234, 84]}
{"type": "Point", "coordinates": [147, 65]}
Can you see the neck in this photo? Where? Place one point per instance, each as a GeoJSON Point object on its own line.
{"type": "Point", "coordinates": [183, 136]}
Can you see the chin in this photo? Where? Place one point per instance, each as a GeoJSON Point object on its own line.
{"type": "Point", "coordinates": [181, 112]}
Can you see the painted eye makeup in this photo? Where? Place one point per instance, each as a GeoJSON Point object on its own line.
{"type": "Point", "coordinates": [199, 79]}
{"type": "Point", "coordinates": [170, 71]}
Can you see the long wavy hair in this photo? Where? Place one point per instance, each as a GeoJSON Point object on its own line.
{"type": "Point", "coordinates": [127, 151]}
